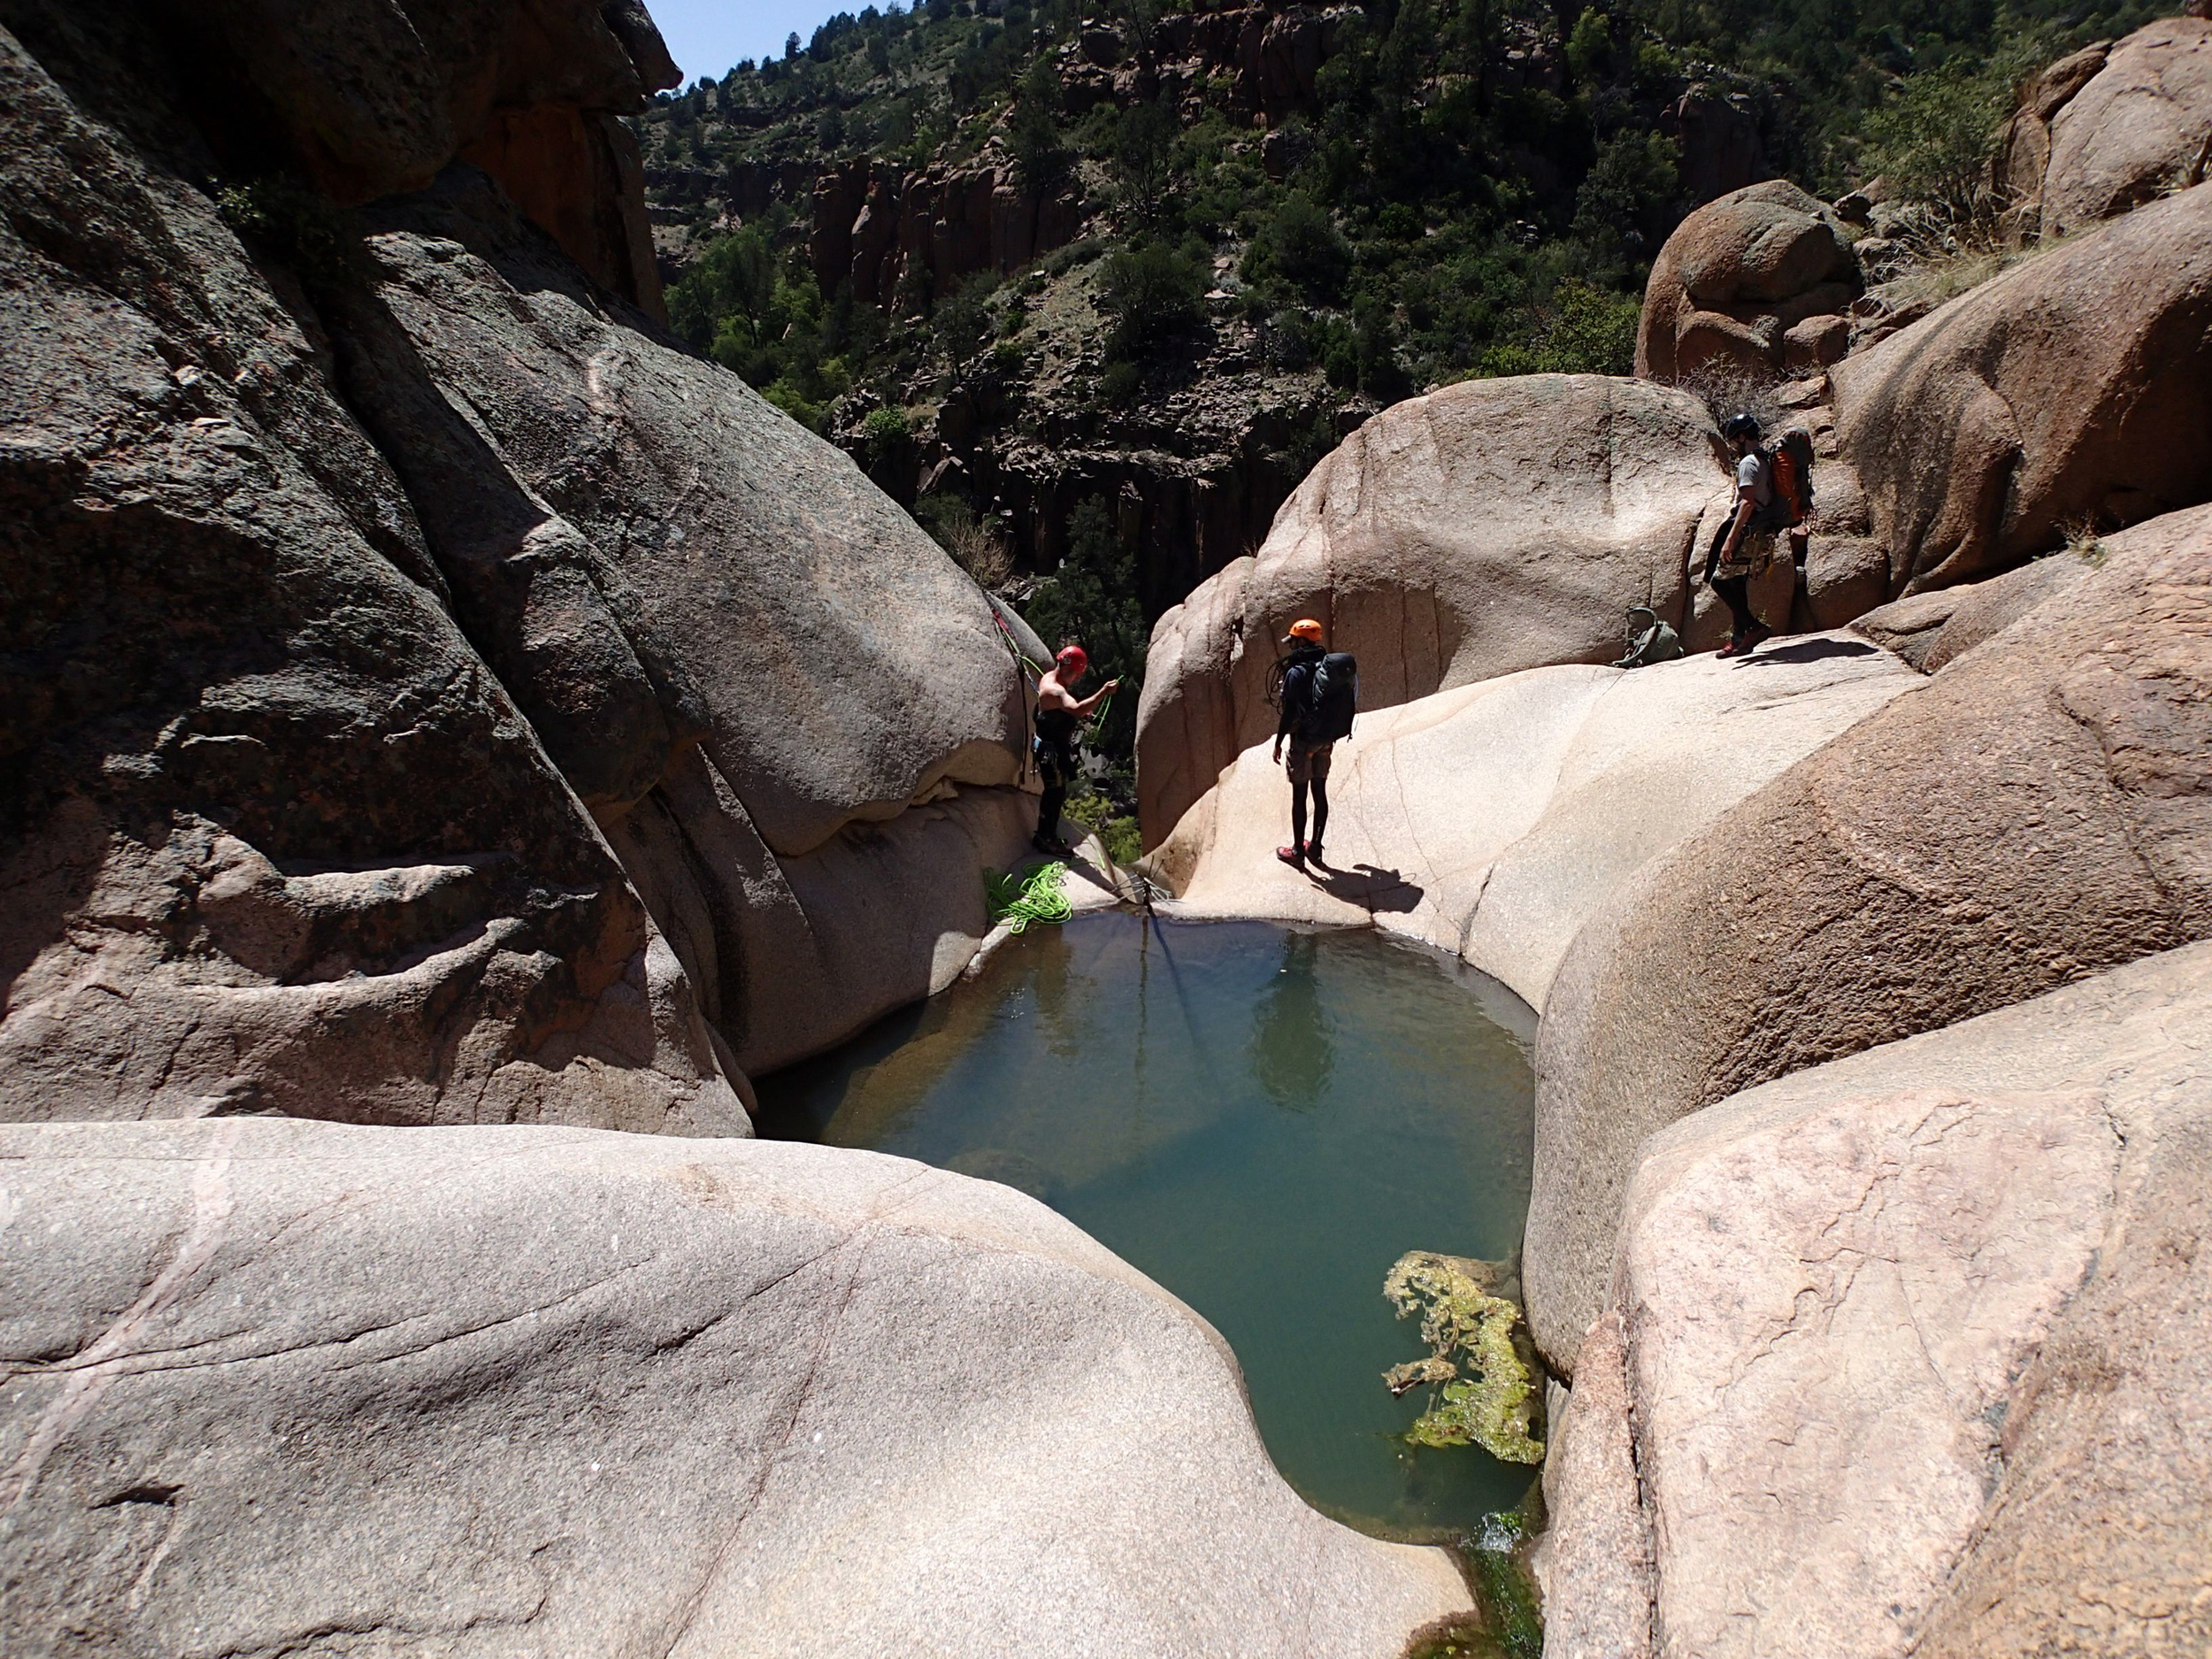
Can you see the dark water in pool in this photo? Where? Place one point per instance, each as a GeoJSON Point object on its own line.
{"type": "Point", "coordinates": [1261, 1119]}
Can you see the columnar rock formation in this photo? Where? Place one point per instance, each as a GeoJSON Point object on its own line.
{"type": "Point", "coordinates": [1490, 526]}
{"type": "Point", "coordinates": [894, 234]}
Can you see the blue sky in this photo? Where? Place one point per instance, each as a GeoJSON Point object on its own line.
{"type": "Point", "coordinates": [707, 36]}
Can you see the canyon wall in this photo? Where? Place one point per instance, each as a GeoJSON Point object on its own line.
{"type": "Point", "coordinates": [437, 697]}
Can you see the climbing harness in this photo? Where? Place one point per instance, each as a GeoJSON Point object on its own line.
{"type": "Point", "coordinates": [1018, 900]}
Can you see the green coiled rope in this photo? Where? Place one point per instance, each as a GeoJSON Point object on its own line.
{"type": "Point", "coordinates": [1018, 900]}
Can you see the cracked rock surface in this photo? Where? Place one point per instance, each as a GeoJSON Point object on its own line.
{"type": "Point", "coordinates": [2076, 387]}
{"type": "Point", "coordinates": [288, 1387]}
{"type": "Point", "coordinates": [272, 837]}
{"type": "Point", "coordinates": [1915, 1350]}
{"type": "Point", "coordinates": [2041, 810]}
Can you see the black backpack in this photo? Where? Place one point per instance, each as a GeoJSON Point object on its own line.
{"type": "Point", "coordinates": [1335, 699]}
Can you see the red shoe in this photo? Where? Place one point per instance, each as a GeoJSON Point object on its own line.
{"type": "Point", "coordinates": [1292, 856]}
{"type": "Point", "coordinates": [1736, 647]}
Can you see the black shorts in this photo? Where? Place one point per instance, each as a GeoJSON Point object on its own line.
{"type": "Point", "coordinates": [1310, 762]}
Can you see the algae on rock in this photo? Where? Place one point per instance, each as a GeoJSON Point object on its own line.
{"type": "Point", "coordinates": [1465, 1323]}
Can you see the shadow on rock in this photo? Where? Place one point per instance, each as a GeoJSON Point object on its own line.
{"type": "Point", "coordinates": [1384, 891]}
{"type": "Point", "coordinates": [1810, 651]}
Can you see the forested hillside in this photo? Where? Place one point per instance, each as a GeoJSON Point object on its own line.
{"type": "Point", "coordinates": [1090, 287]}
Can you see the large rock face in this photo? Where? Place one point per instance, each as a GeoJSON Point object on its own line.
{"type": "Point", "coordinates": [1758, 280]}
{"type": "Point", "coordinates": [371, 98]}
{"type": "Point", "coordinates": [2042, 810]}
{"type": "Point", "coordinates": [1490, 526]}
{"type": "Point", "coordinates": [400, 497]}
{"type": "Point", "coordinates": [2076, 387]}
{"type": "Point", "coordinates": [1494, 820]}
{"type": "Point", "coordinates": [844, 665]}
{"type": "Point", "coordinates": [816, 859]}
{"type": "Point", "coordinates": [2110, 128]}
{"type": "Point", "coordinates": [291, 1388]}
{"type": "Point", "coordinates": [1915, 1350]}
{"type": "Point", "coordinates": [275, 840]}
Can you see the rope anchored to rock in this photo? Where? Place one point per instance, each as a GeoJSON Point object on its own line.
{"type": "Point", "coordinates": [1018, 900]}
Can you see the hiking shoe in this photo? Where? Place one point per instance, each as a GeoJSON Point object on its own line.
{"type": "Point", "coordinates": [1050, 846]}
{"type": "Point", "coordinates": [1313, 853]}
{"type": "Point", "coordinates": [1758, 637]}
{"type": "Point", "coordinates": [1734, 648]}
{"type": "Point", "coordinates": [1292, 856]}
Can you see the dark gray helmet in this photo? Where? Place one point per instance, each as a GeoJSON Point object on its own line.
{"type": "Point", "coordinates": [1742, 425]}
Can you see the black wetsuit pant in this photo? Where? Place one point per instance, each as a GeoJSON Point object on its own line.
{"type": "Point", "coordinates": [1056, 766]}
{"type": "Point", "coordinates": [1308, 765]}
{"type": "Point", "coordinates": [1735, 591]}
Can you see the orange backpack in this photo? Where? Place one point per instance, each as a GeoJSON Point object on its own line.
{"type": "Point", "coordinates": [1792, 464]}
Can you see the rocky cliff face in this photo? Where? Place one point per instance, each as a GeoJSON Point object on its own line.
{"type": "Point", "coordinates": [392, 583]}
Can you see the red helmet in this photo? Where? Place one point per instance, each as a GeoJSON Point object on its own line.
{"type": "Point", "coordinates": [1072, 659]}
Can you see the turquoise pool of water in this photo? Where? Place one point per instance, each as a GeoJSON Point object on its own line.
{"type": "Point", "coordinates": [1262, 1120]}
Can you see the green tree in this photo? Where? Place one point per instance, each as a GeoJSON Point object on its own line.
{"type": "Point", "coordinates": [733, 281]}
{"type": "Point", "coordinates": [959, 321]}
{"type": "Point", "coordinates": [1043, 161]}
{"type": "Point", "coordinates": [1153, 292]}
{"type": "Point", "coordinates": [1300, 242]}
{"type": "Point", "coordinates": [1629, 199]}
{"type": "Point", "coordinates": [1144, 146]}
{"type": "Point", "coordinates": [1933, 141]}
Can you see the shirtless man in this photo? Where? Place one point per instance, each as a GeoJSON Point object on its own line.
{"type": "Point", "coordinates": [1059, 723]}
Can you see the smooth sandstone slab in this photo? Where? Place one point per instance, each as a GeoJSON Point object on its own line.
{"type": "Point", "coordinates": [1492, 820]}
{"type": "Point", "coordinates": [2041, 809]}
{"type": "Point", "coordinates": [2075, 387]}
{"type": "Point", "coordinates": [1488, 528]}
{"type": "Point", "coordinates": [1915, 1347]}
{"type": "Point", "coordinates": [274, 1385]}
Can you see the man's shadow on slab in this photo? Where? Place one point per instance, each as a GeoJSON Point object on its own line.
{"type": "Point", "coordinates": [1808, 651]}
{"type": "Point", "coordinates": [1370, 887]}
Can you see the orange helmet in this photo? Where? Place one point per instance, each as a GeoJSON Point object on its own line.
{"type": "Point", "coordinates": [1305, 628]}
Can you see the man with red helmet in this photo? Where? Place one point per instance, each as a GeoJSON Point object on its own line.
{"type": "Point", "coordinates": [1059, 719]}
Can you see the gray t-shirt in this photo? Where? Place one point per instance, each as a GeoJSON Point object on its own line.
{"type": "Point", "coordinates": [1751, 474]}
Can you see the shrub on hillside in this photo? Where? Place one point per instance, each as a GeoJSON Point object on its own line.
{"type": "Point", "coordinates": [1153, 292]}
{"type": "Point", "coordinates": [1300, 243]}
{"type": "Point", "coordinates": [1933, 141]}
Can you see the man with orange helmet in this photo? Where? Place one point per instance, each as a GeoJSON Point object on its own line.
{"type": "Point", "coordinates": [1312, 733]}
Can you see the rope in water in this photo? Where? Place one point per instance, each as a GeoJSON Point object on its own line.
{"type": "Point", "coordinates": [1018, 900]}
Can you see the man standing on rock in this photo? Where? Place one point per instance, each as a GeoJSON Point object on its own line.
{"type": "Point", "coordinates": [1747, 546]}
{"type": "Point", "coordinates": [1313, 710]}
{"type": "Point", "coordinates": [1059, 720]}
